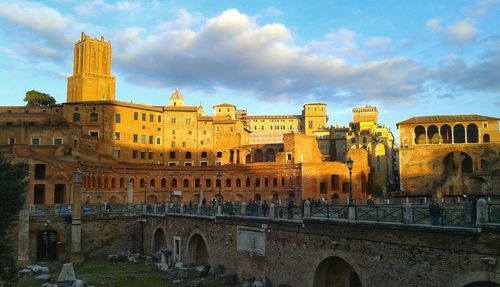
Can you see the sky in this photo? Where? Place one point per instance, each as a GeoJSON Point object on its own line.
{"type": "Point", "coordinates": [407, 58]}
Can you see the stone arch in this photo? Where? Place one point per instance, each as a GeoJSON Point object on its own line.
{"type": "Point", "coordinates": [472, 133]}
{"type": "Point", "coordinates": [432, 135]}
{"type": "Point", "coordinates": [459, 133]}
{"type": "Point", "coordinates": [113, 182]}
{"type": "Point", "coordinates": [106, 182]}
{"type": "Point", "coordinates": [419, 134]}
{"type": "Point", "coordinates": [248, 158]}
{"type": "Point", "coordinates": [275, 197]}
{"type": "Point", "coordinates": [446, 135]}
{"type": "Point", "coordinates": [477, 279]}
{"type": "Point", "coordinates": [46, 246]}
{"type": "Point", "coordinates": [113, 199]}
{"type": "Point", "coordinates": [122, 182]}
{"type": "Point", "coordinates": [475, 184]}
{"type": "Point", "coordinates": [239, 197]}
{"type": "Point", "coordinates": [259, 155]}
{"type": "Point", "coordinates": [197, 251]}
{"type": "Point", "coordinates": [159, 240]}
{"type": "Point", "coordinates": [270, 155]}
{"type": "Point", "coordinates": [335, 271]}
{"type": "Point", "coordinates": [152, 198]}
{"type": "Point", "coordinates": [467, 163]}
{"type": "Point", "coordinates": [142, 182]}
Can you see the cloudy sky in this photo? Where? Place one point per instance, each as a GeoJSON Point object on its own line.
{"type": "Point", "coordinates": [408, 58]}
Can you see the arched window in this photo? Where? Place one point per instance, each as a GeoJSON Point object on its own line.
{"type": "Point", "coordinates": [446, 134]}
{"type": "Point", "coordinates": [238, 182]}
{"type": "Point", "coordinates": [257, 182]}
{"type": "Point", "coordinates": [94, 117]}
{"type": "Point", "coordinates": [432, 135]}
{"type": "Point", "coordinates": [142, 182]}
{"type": "Point", "coordinates": [266, 182]}
{"type": "Point", "coordinates": [486, 138]}
{"type": "Point", "coordinates": [122, 182]}
{"type": "Point", "coordinates": [105, 182]}
{"type": "Point", "coordinates": [282, 181]}
{"type": "Point", "coordinates": [459, 133]}
{"type": "Point", "coordinates": [113, 182]}
{"type": "Point", "coordinates": [228, 182]}
{"type": "Point", "coordinates": [472, 134]}
{"type": "Point", "coordinates": [99, 182]}
{"type": "Point", "coordinates": [76, 117]}
{"type": "Point", "coordinates": [131, 180]}
{"type": "Point", "coordinates": [247, 182]}
{"type": "Point", "coordinates": [419, 135]}
{"type": "Point", "coordinates": [163, 182]}
{"type": "Point", "coordinates": [152, 182]}
{"type": "Point", "coordinates": [174, 182]}
{"type": "Point", "coordinates": [275, 182]}
{"type": "Point", "coordinates": [259, 156]}
{"type": "Point", "coordinates": [208, 182]}
{"type": "Point", "coordinates": [196, 182]}
{"type": "Point", "coordinates": [185, 183]}
{"type": "Point", "coordinates": [467, 164]}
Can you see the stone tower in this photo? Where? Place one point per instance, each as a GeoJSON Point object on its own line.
{"type": "Point", "coordinates": [91, 79]}
{"type": "Point", "coordinates": [176, 99]}
{"type": "Point", "coordinates": [314, 118]}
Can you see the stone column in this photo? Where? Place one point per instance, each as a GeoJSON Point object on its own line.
{"type": "Point", "coordinates": [272, 213]}
{"type": "Point", "coordinates": [408, 213]}
{"type": "Point", "coordinates": [243, 208]}
{"type": "Point", "coordinates": [23, 258]}
{"type": "Point", "coordinates": [307, 209]}
{"type": "Point", "coordinates": [130, 192]}
{"type": "Point", "coordinates": [481, 212]}
{"type": "Point", "coordinates": [76, 222]}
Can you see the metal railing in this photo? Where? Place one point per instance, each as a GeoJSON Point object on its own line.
{"type": "Point", "coordinates": [329, 211]}
{"type": "Point", "coordinates": [380, 213]}
{"type": "Point", "coordinates": [494, 212]}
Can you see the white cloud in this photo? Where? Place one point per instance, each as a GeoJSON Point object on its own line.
{"type": "Point", "coordinates": [379, 44]}
{"type": "Point", "coordinates": [272, 12]}
{"type": "Point", "coordinates": [341, 44]}
{"type": "Point", "coordinates": [434, 25]}
{"type": "Point", "coordinates": [480, 8]}
{"type": "Point", "coordinates": [96, 7]}
{"type": "Point", "coordinates": [458, 34]}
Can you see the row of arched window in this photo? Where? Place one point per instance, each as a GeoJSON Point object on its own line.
{"type": "Point", "coordinates": [97, 182]}
{"type": "Point", "coordinates": [448, 135]}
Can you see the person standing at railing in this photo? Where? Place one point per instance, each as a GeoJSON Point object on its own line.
{"type": "Point", "coordinates": [290, 209]}
{"type": "Point", "coordinates": [473, 210]}
{"type": "Point", "coordinates": [435, 212]}
{"type": "Point", "coordinates": [265, 208]}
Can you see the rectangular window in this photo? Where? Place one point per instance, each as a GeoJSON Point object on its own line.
{"type": "Point", "coordinates": [345, 187]}
{"type": "Point", "coordinates": [150, 155]}
{"type": "Point", "coordinates": [35, 141]}
{"type": "Point", "coordinates": [172, 120]}
{"type": "Point", "coordinates": [117, 153]}
{"type": "Point", "coordinates": [172, 144]}
{"type": "Point", "coordinates": [57, 141]}
{"type": "Point", "coordinates": [183, 144]}
{"type": "Point", "coordinates": [172, 155]}
{"type": "Point", "coordinates": [159, 118]}
{"type": "Point", "coordinates": [204, 163]}
{"type": "Point", "coordinates": [117, 118]}
{"type": "Point", "coordinates": [117, 136]}
{"type": "Point", "coordinates": [136, 116]}
{"type": "Point", "coordinates": [188, 164]}
{"type": "Point", "coordinates": [188, 121]}
{"type": "Point", "coordinates": [143, 139]}
{"type": "Point", "coordinates": [12, 141]}
{"type": "Point", "coordinates": [151, 117]}
{"type": "Point", "coordinates": [158, 141]}
{"type": "Point", "coordinates": [94, 134]}
{"type": "Point", "coordinates": [143, 155]}
{"type": "Point", "coordinates": [172, 164]}
{"type": "Point", "coordinates": [151, 139]}
{"type": "Point", "coordinates": [144, 116]}
{"type": "Point", "coordinates": [310, 124]}
{"type": "Point", "coordinates": [335, 182]}
{"type": "Point", "coordinates": [134, 154]}
{"type": "Point", "coordinates": [136, 138]}
{"type": "Point", "coordinates": [173, 132]}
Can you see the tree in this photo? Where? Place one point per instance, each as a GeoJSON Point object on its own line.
{"type": "Point", "coordinates": [38, 99]}
{"type": "Point", "coordinates": [13, 187]}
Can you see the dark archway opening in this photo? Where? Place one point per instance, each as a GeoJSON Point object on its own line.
{"type": "Point", "coordinates": [419, 135]}
{"type": "Point", "coordinates": [259, 156]}
{"type": "Point", "coordinates": [46, 246]}
{"type": "Point", "coordinates": [446, 134]}
{"type": "Point", "coordinates": [335, 271]}
{"type": "Point", "coordinates": [467, 166]}
{"type": "Point", "coordinates": [432, 135]}
{"type": "Point", "coordinates": [459, 133]}
{"type": "Point", "coordinates": [472, 134]}
{"type": "Point", "coordinates": [198, 253]}
{"type": "Point", "coordinates": [159, 241]}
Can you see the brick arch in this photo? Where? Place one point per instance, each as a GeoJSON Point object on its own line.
{"type": "Point", "coordinates": [321, 264]}
{"type": "Point", "coordinates": [154, 240]}
{"type": "Point", "coordinates": [195, 253]}
{"type": "Point", "coordinates": [468, 279]}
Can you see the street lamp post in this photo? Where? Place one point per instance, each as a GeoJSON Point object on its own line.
{"type": "Point", "coordinates": [350, 163]}
{"type": "Point", "coordinates": [219, 179]}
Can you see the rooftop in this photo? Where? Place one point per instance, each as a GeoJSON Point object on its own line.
{"type": "Point", "coordinates": [446, 118]}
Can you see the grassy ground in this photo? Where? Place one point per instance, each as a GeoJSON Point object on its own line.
{"type": "Point", "coordinates": [103, 273]}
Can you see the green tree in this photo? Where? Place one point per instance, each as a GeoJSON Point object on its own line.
{"type": "Point", "coordinates": [13, 187]}
{"type": "Point", "coordinates": [38, 99]}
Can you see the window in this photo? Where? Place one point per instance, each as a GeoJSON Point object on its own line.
{"type": "Point", "coordinates": [188, 155]}
{"type": "Point", "coordinates": [35, 141]}
{"type": "Point", "coordinates": [117, 153]}
{"type": "Point", "coordinates": [364, 140]}
{"type": "Point", "coordinates": [345, 187]}
{"type": "Point", "coordinates": [188, 120]}
{"type": "Point", "coordinates": [159, 118]}
{"type": "Point", "coordinates": [275, 182]}
{"type": "Point", "coordinates": [310, 124]}
{"type": "Point", "coordinates": [151, 117]}
{"type": "Point", "coordinates": [117, 136]}
{"type": "Point", "coordinates": [238, 182]}
{"type": "Point", "coordinates": [228, 182]}
{"type": "Point", "coordinates": [203, 163]}
{"type": "Point", "coordinates": [185, 183]}
{"type": "Point", "coordinates": [173, 132]}
{"type": "Point", "coordinates": [150, 155]}
{"type": "Point", "coordinates": [208, 182]}
{"type": "Point", "coordinates": [217, 129]}
{"type": "Point", "coordinates": [40, 171]}
{"type": "Point", "coordinates": [188, 164]}
{"type": "Point", "coordinates": [203, 154]}
{"type": "Point", "coordinates": [335, 182]}
{"type": "Point", "coordinates": [158, 141]}
{"type": "Point", "coordinates": [183, 144]}
{"type": "Point", "coordinates": [94, 134]}
{"type": "Point", "coordinates": [144, 117]}
{"type": "Point", "coordinates": [486, 138]}
{"type": "Point", "coordinates": [219, 154]}
{"type": "Point", "coordinates": [172, 144]}
{"type": "Point", "coordinates": [247, 182]}
{"type": "Point", "coordinates": [172, 164]}
{"type": "Point", "coordinates": [136, 116]}
{"type": "Point", "coordinates": [266, 182]}
{"type": "Point", "coordinates": [257, 182]}
{"type": "Point", "coordinates": [136, 138]}
{"type": "Point", "coordinates": [57, 141]}
{"type": "Point", "coordinates": [174, 181]}
{"type": "Point", "coordinates": [143, 139]}
{"type": "Point", "coordinates": [172, 154]}
{"type": "Point", "coordinates": [134, 153]}
{"type": "Point", "coordinates": [12, 141]}
{"type": "Point", "coordinates": [353, 140]}
{"type": "Point", "coordinates": [143, 155]}
{"type": "Point", "coordinates": [485, 125]}
{"type": "Point", "coordinates": [151, 139]}
{"type": "Point", "coordinates": [172, 120]}
{"type": "Point", "coordinates": [197, 182]}
{"type": "Point", "coordinates": [94, 117]}
{"type": "Point", "coordinates": [76, 117]}
{"type": "Point", "coordinates": [117, 118]}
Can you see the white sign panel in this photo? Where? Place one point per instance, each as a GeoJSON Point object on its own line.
{"type": "Point", "coordinates": [177, 192]}
{"type": "Point", "coordinates": [251, 240]}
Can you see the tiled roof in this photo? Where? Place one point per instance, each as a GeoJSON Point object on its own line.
{"type": "Point", "coordinates": [273, 117]}
{"type": "Point", "coordinates": [224, 105]}
{"type": "Point", "coordinates": [446, 118]}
